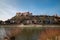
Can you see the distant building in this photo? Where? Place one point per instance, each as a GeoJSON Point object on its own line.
{"type": "Point", "coordinates": [28, 18]}
{"type": "Point", "coordinates": [18, 14]}
{"type": "Point", "coordinates": [27, 14]}
{"type": "Point", "coordinates": [23, 14]}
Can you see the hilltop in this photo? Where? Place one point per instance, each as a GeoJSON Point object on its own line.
{"type": "Point", "coordinates": [27, 18]}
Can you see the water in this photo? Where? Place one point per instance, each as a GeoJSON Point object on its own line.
{"type": "Point", "coordinates": [27, 33]}
{"type": "Point", "coordinates": [2, 33]}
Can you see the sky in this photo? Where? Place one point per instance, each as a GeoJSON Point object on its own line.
{"type": "Point", "coordinates": [8, 8]}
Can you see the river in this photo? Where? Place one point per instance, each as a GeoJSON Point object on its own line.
{"type": "Point", "coordinates": [26, 32]}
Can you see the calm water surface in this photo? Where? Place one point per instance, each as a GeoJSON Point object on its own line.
{"type": "Point", "coordinates": [27, 33]}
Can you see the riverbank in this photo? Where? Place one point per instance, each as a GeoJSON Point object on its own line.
{"type": "Point", "coordinates": [18, 25]}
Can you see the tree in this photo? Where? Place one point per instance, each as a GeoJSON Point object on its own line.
{"type": "Point", "coordinates": [1, 21]}
{"type": "Point", "coordinates": [7, 21]}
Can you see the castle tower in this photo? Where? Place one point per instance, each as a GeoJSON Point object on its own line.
{"type": "Point", "coordinates": [24, 14]}
{"type": "Point", "coordinates": [27, 14]}
{"type": "Point", "coordinates": [18, 14]}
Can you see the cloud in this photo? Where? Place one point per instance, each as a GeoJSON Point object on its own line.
{"type": "Point", "coordinates": [6, 10]}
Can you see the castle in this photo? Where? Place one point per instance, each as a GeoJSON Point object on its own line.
{"type": "Point", "coordinates": [49, 30]}
{"type": "Point", "coordinates": [27, 18]}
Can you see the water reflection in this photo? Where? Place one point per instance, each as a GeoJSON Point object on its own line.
{"type": "Point", "coordinates": [30, 33]}
{"type": "Point", "coordinates": [2, 33]}
{"type": "Point", "coordinates": [25, 34]}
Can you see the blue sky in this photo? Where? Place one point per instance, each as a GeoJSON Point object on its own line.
{"type": "Point", "coordinates": [8, 8]}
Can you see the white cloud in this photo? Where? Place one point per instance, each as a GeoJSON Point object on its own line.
{"type": "Point", "coordinates": [6, 10]}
